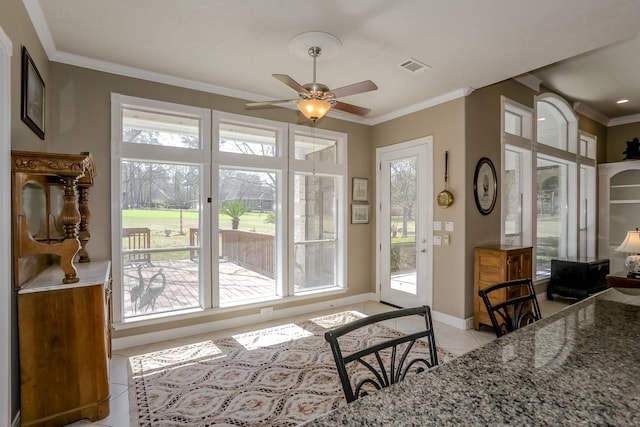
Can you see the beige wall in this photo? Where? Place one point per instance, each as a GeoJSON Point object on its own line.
{"type": "Point", "coordinates": [80, 100]}
{"type": "Point", "coordinates": [17, 26]}
{"type": "Point", "coordinates": [598, 130]}
{"type": "Point", "coordinates": [483, 133]}
{"type": "Point", "coordinates": [446, 123]}
{"type": "Point", "coordinates": [617, 137]}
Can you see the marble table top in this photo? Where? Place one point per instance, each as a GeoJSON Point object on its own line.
{"type": "Point", "coordinates": [580, 366]}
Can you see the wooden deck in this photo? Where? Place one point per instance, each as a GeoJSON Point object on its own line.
{"type": "Point", "coordinates": [173, 285]}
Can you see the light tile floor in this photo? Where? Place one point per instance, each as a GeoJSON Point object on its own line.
{"type": "Point", "coordinates": [455, 340]}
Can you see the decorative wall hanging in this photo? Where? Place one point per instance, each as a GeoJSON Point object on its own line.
{"type": "Point", "coordinates": [360, 190]}
{"type": "Point", "coordinates": [33, 95]}
{"type": "Point", "coordinates": [360, 213]}
{"type": "Point", "coordinates": [445, 198]}
{"type": "Point", "coordinates": [485, 186]}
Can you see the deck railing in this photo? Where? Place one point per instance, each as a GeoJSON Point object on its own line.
{"type": "Point", "coordinates": [254, 251]}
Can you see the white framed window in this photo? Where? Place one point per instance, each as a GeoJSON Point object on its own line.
{"type": "Point", "coordinates": [160, 157]}
{"type": "Point", "coordinates": [249, 169]}
{"type": "Point", "coordinates": [548, 181]}
{"type": "Point", "coordinates": [215, 210]}
{"type": "Point", "coordinates": [516, 174]}
{"type": "Point", "coordinates": [318, 171]}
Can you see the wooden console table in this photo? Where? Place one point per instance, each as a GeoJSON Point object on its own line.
{"type": "Point", "coordinates": [620, 280]}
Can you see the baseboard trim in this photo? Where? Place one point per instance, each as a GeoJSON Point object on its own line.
{"type": "Point", "coordinates": [168, 334]}
{"type": "Point", "coordinates": [456, 322]}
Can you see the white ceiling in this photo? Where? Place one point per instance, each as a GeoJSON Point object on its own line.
{"type": "Point", "coordinates": [232, 47]}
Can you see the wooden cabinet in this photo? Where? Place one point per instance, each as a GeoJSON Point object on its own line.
{"type": "Point", "coordinates": [496, 264]}
{"type": "Point", "coordinates": [50, 198]}
{"type": "Point", "coordinates": [64, 311]}
{"type": "Point", "coordinates": [65, 344]}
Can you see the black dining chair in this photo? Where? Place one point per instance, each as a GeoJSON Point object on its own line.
{"type": "Point", "coordinates": [518, 305]}
{"type": "Point", "coordinates": [385, 356]}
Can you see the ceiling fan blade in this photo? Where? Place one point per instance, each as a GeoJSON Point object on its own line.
{"type": "Point", "coordinates": [290, 82]}
{"type": "Point", "coordinates": [353, 109]}
{"type": "Point", "coordinates": [267, 103]}
{"type": "Point", "coordinates": [355, 88]}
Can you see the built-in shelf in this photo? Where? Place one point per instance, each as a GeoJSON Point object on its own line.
{"type": "Point", "coordinates": [619, 208]}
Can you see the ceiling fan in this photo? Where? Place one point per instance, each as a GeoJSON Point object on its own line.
{"type": "Point", "coordinates": [316, 99]}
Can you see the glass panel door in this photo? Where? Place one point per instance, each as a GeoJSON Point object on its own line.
{"type": "Point", "coordinates": [403, 227]}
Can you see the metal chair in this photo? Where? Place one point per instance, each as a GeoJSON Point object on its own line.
{"type": "Point", "coordinates": [518, 307]}
{"type": "Point", "coordinates": [387, 361]}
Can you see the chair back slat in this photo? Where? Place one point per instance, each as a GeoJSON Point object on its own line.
{"type": "Point", "coordinates": [386, 362]}
{"type": "Point", "coordinates": [516, 311]}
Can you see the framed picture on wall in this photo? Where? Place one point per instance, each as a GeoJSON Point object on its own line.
{"type": "Point", "coordinates": [33, 95]}
{"type": "Point", "coordinates": [485, 186]}
{"type": "Point", "coordinates": [360, 213]}
{"type": "Point", "coordinates": [360, 190]}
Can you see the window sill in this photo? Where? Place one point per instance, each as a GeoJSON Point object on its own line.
{"type": "Point", "coordinates": [170, 319]}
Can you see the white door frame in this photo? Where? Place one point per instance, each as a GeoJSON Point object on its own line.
{"type": "Point", "coordinates": [427, 188]}
{"type": "Point", "coordinates": [6, 50]}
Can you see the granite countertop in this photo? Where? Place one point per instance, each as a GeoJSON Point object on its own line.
{"type": "Point", "coordinates": [580, 366]}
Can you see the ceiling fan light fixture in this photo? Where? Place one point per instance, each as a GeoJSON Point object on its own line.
{"type": "Point", "coordinates": [314, 109]}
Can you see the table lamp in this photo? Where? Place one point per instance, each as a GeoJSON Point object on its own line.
{"type": "Point", "coordinates": [631, 245]}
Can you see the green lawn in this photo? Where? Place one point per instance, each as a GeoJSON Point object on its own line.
{"type": "Point", "coordinates": [170, 227]}
{"type": "Point", "coordinates": [169, 219]}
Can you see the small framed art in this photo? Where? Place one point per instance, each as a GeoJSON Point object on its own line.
{"type": "Point", "coordinates": [360, 190]}
{"type": "Point", "coordinates": [33, 95]}
{"type": "Point", "coordinates": [360, 213]}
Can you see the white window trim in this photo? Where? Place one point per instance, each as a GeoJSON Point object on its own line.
{"type": "Point", "coordinates": [6, 49]}
{"type": "Point", "coordinates": [339, 170]}
{"type": "Point", "coordinates": [524, 146]}
{"type": "Point", "coordinates": [125, 150]}
{"type": "Point", "coordinates": [532, 151]}
{"type": "Point", "coordinates": [211, 160]}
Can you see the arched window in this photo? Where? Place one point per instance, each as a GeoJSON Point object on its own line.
{"type": "Point", "coordinates": [556, 123]}
{"type": "Point", "coordinates": [549, 171]}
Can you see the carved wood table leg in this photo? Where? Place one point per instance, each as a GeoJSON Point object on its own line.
{"type": "Point", "coordinates": [85, 216]}
{"type": "Point", "coordinates": [70, 218]}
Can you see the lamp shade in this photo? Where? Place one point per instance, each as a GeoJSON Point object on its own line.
{"type": "Point", "coordinates": [314, 109]}
{"type": "Point", "coordinates": [631, 243]}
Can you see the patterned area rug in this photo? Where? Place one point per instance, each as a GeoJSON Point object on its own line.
{"type": "Point", "coordinates": [280, 376]}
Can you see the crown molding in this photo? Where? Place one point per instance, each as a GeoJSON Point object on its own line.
{"type": "Point", "coordinates": [592, 113]}
{"type": "Point", "coordinates": [109, 67]}
{"type": "Point", "coordinates": [529, 80]}
{"type": "Point", "coordinates": [455, 94]}
{"type": "Point", "coordinates": [634, 118]}
{"type": "Point", "coordinates": [42, 28]}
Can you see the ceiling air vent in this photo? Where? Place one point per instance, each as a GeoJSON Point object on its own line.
{"type": "Point", "coordinates": [414, 66]}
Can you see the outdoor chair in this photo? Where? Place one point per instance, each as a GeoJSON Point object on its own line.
{"type": "Point", "coordinates": [518, 305]}
{"type": "Point", "coordinates": [389, 360]}
{"type": "Point", "coordinates": [137, 238]}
